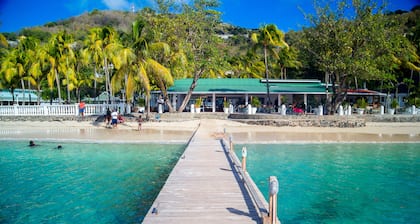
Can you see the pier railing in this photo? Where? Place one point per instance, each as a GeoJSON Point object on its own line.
{"type": "Point", "coordinates": [57, 110]}
{"type": "Point", "coordinates": [263, 207]}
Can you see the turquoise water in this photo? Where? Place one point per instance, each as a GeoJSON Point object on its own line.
{"type": "Point", "coordinates": [82, 183]}
{"type": "Point", "coordinates": [340, 183]}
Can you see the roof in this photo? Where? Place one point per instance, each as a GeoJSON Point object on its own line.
{"type": "Point", "coordinates": [6, 95]}
{"type": "Point", "coordinates": [364, 92]}
{"type": "Point", "coordinates": [252, 86]}
{"type": "Point", "coordinates": [103, 97]}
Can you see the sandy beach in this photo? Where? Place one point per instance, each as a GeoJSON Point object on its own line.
{"type": "Point", "coordinates": [181, 132]}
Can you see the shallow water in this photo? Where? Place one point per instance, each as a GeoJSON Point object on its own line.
{"type": "Point", "coordinates": [340, 183]}
{"type": "Point", "coordinates": [82, 183]}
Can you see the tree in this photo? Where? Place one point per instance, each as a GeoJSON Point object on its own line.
{"type": "Point", "coordinates": [197, 40]}
{"type": "Point", "coordinates": [247, 66]}
{"type": "Point", "coordinates": [39, 68]}
{"type": "Point", "coordinates": [366, 47]}
{"type": "Point", "coordinates": [17, 62]}
{"type": "Point", "coordinates": [10, 72]}
{"type": "Point", "coordinates": [270, 39]}
{"type": "Point", "coordinates": [92, 53]}
{"type": "Point", "coordinates": [126, 68]}
{"type": "Point", "coordinates": [102, 47]}
{"type": "Point", "coordinates": [287, 59]}
{"type": "Point", "coordinates": [142, 68]}
{"type": "Point", "coordinates": [62, 60]}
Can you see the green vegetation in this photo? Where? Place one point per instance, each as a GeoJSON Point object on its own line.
{"type": "Point", "coordinates": [394, 103]}
{"type": "Point", "coordinates": [198, 102]}
{"type": "Point", "coordinates": [140, 52]}
{"type": "Point", "coordinates": [226, 104]}
{"type": "Point", "coordinates": [255, 102]}
{"type": "Point", "coordinates": [361, 103]}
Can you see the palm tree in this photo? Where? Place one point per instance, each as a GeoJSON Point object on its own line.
{"type": "Point", "coordinates": [287, 59]}
{"type": "Point", "coordinates": [9, 72]}
{"type": "Point", "coordinates": [270, 39]}
{"type": "Point", "coordinates": [126, 67]}
{"type": "Point", "coordinates": [159, 54]}
{"type": "Point", "coordinates": [39, 68]}
{"type": "Point", "coordinates": [247, 66]}
{"type": "Point", "coordinates": [149, 68]}
{"type": "Point", "coordinates": [3, 46]}
{"type": "Point", "coordinates": [94, 53]}
{"type": "Point", "coordinates": [62, 61]}
{"type": "Point", "coordinates": [23, 57]}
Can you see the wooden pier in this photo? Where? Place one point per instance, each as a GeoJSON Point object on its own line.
{"type": "Point", "coordinates": [204, 187]}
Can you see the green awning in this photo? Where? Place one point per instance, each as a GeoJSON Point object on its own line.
{"type": "Point", "coordinates": [254, 86]}
{"type": "Point", "coordinates": [20, 96]}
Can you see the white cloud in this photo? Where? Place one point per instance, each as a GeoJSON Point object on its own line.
{"type": "Point", "coordinates": [117, 4]}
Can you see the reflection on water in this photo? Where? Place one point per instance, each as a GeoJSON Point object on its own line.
{"type": "Point", "coordinates": [252, 136]}
{"type": "Point", "coordinates": [105, 134]}
{"type": "Point", "coordinates": [340, 183]}
{"type": "Point", "coordinates": [83, 182]}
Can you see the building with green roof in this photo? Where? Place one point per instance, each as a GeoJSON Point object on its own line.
{"type": "Point", "coordinates": [239, 92]}
{"type": "Point", "coordinates": [21, 96]}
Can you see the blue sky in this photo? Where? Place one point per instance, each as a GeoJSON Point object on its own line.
{"type": "Point", "coordinates": [286, 14]}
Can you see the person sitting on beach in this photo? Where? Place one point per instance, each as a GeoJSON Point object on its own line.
{"type": "Point", "coordinates": [120, 119]}
{"type": "Point", "coordinates": [114, 121]}
{"type": "Point", "coordinates": [139, 120]}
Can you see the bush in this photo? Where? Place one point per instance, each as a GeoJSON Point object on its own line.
{"type": "Point", "coordinates": [255, 102]}
{"type": "Point", "coordinates": [225, 104]}
{"type": "Point", "coordinates": [198, 102]}
{"type": "Point", "coordinates": [394, 103]}
{"type": "Point", "coordinates": [361, 103]}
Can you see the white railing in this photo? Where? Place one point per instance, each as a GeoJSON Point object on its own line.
{"type": "Point", "coordinates": [57, 110]}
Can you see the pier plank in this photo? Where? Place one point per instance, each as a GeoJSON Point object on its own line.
{"type": "Point", "coordinates": [202, 188]}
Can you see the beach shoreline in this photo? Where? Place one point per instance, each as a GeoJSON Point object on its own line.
{"type": "Point", "coordinates": [181, 132]}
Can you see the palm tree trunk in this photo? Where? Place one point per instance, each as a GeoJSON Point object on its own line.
{"type": "Point", "coordinates": [57, 80]}
{"type": "Point", "coordinates": [107, 80]}
{"type": "Point", "coordinates": [266, 76]}
{"type": "Point", "coordinates": [23, 88]}
{"type": "Point", "coordinates": [38, 94]}
{"type": "Point", "coordinates": [67, 80]}
{"type": "Point", "coordinates": [94, 86]}
{"type": "Point", "coordinates": [12, 90]}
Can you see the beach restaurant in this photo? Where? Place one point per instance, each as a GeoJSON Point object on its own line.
{"type": "Point", "coordinates": [306, 94]}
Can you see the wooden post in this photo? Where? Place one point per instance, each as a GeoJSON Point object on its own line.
{"type": "Point", "coordinates": [231, 144]}
{"type": "Point", "coordinates": [244, 154]}
{"type": "Point", "coordinates": [274, 188]}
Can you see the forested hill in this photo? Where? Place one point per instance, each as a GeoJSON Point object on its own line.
{"type": "Point", "coordinates": [379, 50]}
{"type": "Point", "coordinates": [80, 25]}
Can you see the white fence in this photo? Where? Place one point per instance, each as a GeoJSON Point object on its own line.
{"type": "Point", "coordinates": [57, 110]}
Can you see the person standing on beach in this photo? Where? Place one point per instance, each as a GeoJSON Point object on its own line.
{"type": "Point", "coordinates": [139, 120]}
{"type": "Point", "coordinates": [114, 120]}
{"type": "Point", "coordinates": [82, 106]}
{"type": "Point", "coordinates": [107, 117]}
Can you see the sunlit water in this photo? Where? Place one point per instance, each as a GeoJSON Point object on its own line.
{"type": "Point", "coordinates": [82, 183]}
{"type": "Point", "coordinates": [340, 183]}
